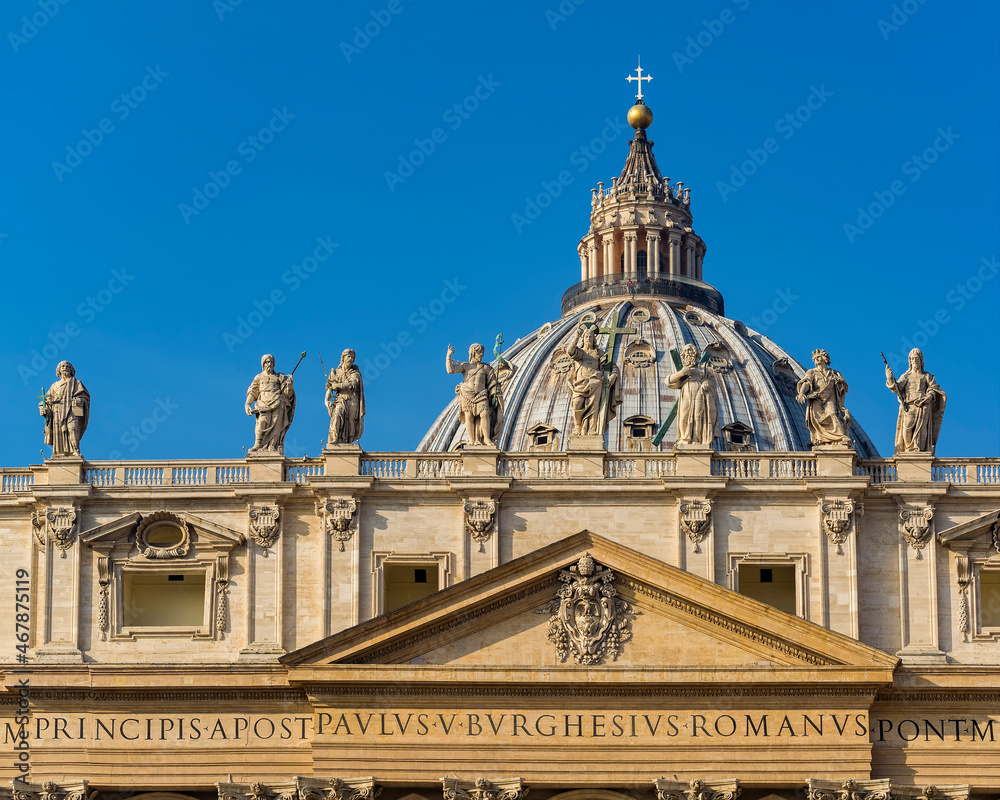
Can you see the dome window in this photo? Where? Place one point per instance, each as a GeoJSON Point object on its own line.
{"type": "Point", "coordinates": [543, 438]}
{"type": "Point", "coordinates": [639, 432]}
{"type": "Point", "coordinates": [692, 317]}
{"type": "Point", "coordinates": [718, 358]}
{"type": "Point", "coordinates": [561, 362]}
{"type": "Point", "coordinates": [640, 354]}
{"type": "Point", "coordinates": [640, 315]}
{"type": "Point", "coordinates": [738, 436]}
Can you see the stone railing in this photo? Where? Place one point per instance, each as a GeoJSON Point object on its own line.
{"type": "Point", "coordinates": [640, 466]}
{"type": "Point", "coordinates": [106, 475]}
{"type": "Point", "coordinates": [16, 480]}
{"type": "Point", "coordinates": [742, 467]}
{"type": "Point", "coordinates": [966, 470]}
{"type": "Point", "coordinates": [301, 471]}
{"type": "Point", "coordinates": [533, 465]}
{"type": "Point", "coordinates": [397, 466]}
{"type": "Point", "coordinates": [878, 470]}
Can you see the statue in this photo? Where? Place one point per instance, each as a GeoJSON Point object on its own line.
{"type": "Point", "coordinates": [822, 391]}
{"type": "Point", "coordinates": [347, 411]}
{"type": "Point", "coordinates": [275, 398]}
{"type": "Point", "coordinates": [921, 406]}
{"type": "Point", "coordinates": [66, 408]}
{"type": "Point", "coordinates": [480, 398]}
{"type": "Point", "coordinates": [698, 405]}
{"type": "Point", "coordinates": [596, 390]}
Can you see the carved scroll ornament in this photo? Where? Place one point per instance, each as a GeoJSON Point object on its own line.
{"type": "Point", "coordinates": [588, 620]}
{"type": "Point", "coordinates": [848, 790]}
{"type": "Point", "coordinates": [265, 524]}
{"type": "Point", "coordinates": [302, 789]}
{"type": "Point", "coordinates": [838, 518]}
{"type": "Point", "coordinates": [483, 789]}
{"type": "Point", "coordinates": [338, 518]}
{"type": "Point", "coordinates": [697, 790]}
{"type": "Point", "coordinates": [53, 791]}
{"type": "Point", "coordinates": [58, 524]}
{"type": "Point", "coordinates": [915, 525]}
{"type": "Point", "coordinates": [696, 520]}
{"type": "Point", "coordinates": [480, 519]}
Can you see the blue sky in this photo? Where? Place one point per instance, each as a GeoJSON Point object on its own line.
{"type": "Point", "coordinates": [187, 186]}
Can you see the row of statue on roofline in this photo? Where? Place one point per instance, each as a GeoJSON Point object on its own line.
{"type": "Point", "coordinates": [595, 385]}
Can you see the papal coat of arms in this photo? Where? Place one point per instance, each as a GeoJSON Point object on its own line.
{"type": "Point", "coordinates": [588, 618]}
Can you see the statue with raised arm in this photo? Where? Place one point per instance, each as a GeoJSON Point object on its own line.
{"type": "Point", "coordinates": [822, 392]}
{"type": "Point", "coordinates": [480, 399]}
{"type": "Point", "coordinates": [595, 388]}
{"type": "Point", "coordinates": [697, 404]}
{"type": "Point", "coordinates": [921, 406]}
{"type": "Point", "coordinates": [274, 396]}
{"type": "Point", "coordinates": [66, 408]}
{"type": "Point", "coordinates": [345, 400]}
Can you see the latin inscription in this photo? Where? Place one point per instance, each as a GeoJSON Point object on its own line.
{"type": "Point", "coordinates": [356, 725]}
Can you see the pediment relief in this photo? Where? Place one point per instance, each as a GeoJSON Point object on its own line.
{"type": "Point", "coordinates": [162, 535]}
{"type": "Point", "coordinates": [981, 532]}
{"type": "Point", "coordinates": [630, 610]}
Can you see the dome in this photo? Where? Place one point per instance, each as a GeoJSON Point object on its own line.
{"type": "Point", "coordinates": [756, 378]}
{"type": "Point", "coordinates": [641, 282]}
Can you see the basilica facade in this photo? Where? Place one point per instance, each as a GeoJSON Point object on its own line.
{"type": "Point", "coordinates": [643, 554]}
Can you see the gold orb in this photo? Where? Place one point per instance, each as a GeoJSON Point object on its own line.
{"type": "Point", "coordinates": [640, 116]}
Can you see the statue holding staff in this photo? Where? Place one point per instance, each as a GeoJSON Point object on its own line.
{"type": "Point", "coordinates": [274, 396]}
{"type": "Point", "coordinates": [345, 400]}
{"type": "Point", "coordinates": [921, 406]}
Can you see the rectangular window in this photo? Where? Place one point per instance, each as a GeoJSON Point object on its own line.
{"type": "Point", "coordinates": [405, 584]}
{"type": "Point", "coordinates": [774, 585]}
{"type": "Point", "coordinates": [989, 599]}
{"type": "Point", "coordinates": [158, 599]}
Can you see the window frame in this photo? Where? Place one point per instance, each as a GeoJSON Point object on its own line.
{"type": "Point", "coordinates": [799, 561]}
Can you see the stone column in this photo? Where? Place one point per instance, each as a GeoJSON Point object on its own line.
{"type": "Point", "coordinates": [699, 258]}
{"type": "Point", "coordinates": [608, 239]}
{"type": "Point", "coordinates": [583, 261]}
{"type": "Point", "coordinates": [592, 260]}
{"type": "Point", "coordinates": [675, 253]}
{"type": "Point", "coordinates": [653, 254]}
{"type": "Point", "coordinates": [918, 581]}
{"type": "Point", "coordinates": [631, 245]}
{"type": "Point", "coordinates": [689, 267]}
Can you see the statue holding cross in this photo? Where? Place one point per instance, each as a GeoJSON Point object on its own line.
{"type": "Point", "coordinates": [594, 381]}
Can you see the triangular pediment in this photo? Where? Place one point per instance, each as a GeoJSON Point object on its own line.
{"type": "Point", "coordinates": [118, 530]}
{"type": "Point", "coordinates": [669, 619]}
{"type": "Point", "coordinates": [982, 530]}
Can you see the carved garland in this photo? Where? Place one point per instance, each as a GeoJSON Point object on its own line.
{"type": "Point", "coordinates": [480, 519]}
{"type": "Point", "coordinates": [964, 577]}
{"type": "Point", "coordinates": [222, 590]}
{"type": "Point", "coordinates": [916, 526]}
{"type": "Point", "coordinates": [265, 524]}
{"type": "Point", "coordinates": [588, 620]}
{"type": "Point", "coordinates": [103, 581]}
{"type": "Point", "coordinates": [696, 520]}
